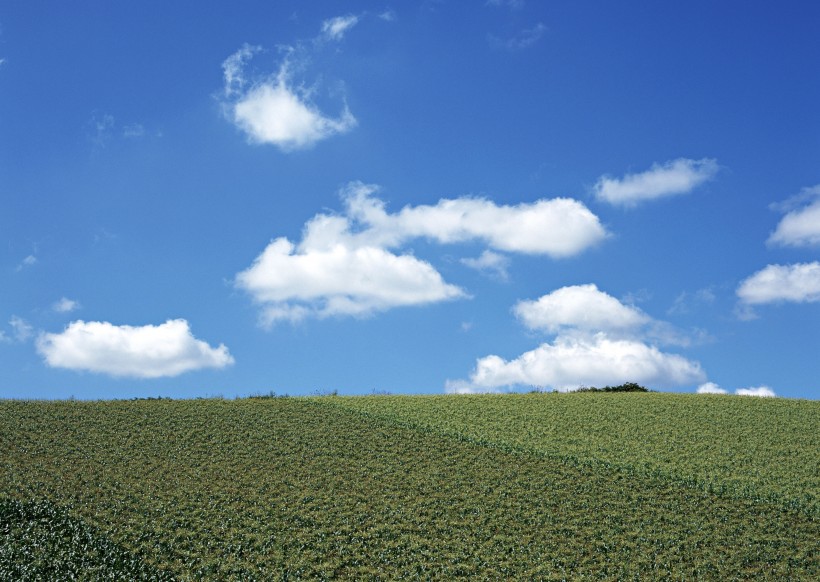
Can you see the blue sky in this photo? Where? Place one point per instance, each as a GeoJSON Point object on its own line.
{"type": "Point", "coordinates": [408, 197]}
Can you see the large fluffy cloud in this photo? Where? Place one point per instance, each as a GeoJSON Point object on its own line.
{"type": "Point", "coordinates": [150, 351]}
{"type": "Point", "coordinates": [800, 227]}
{"type": "Point", "coordinates": [275, 110]}
{"type": "Point", "coordinates": [798, 283]}
{"type": "Point", "coordinates": [573, 361]}
{"type": "Point", "coordinates": [674, 177]}
{"type": "Point", "coordinates": [338, 280]}
{"type": "Point", "coordinates": [349, 264]}
{"type": "Point", "coordinates": [599, 340]}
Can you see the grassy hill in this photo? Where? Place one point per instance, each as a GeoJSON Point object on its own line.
{"type": "Point", "coordinates": [618, 486]}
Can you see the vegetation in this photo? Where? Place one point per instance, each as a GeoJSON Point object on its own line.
{"type": "Point", "coordinates": [421, 487]}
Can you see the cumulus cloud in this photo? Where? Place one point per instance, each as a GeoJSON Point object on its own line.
{"type": "Point", "coordinates": [335, 28]}
{"type": "Point", "coordinates": [65, 305]}
{"type": "Point", "coordinates": [674, 177]}
{"type": "Point", "coordinates": [574, 361]}
{"type": "Point", "coordinates": [599, 340]}
{"type": "Point", "coordinates": [579, 306]}
{"type": "Point", "coordinates": [800, 227]}
{"type": "Point", "coordinates": [760, 391]}
{"type": "Point", "coordinates": [710, 388]}
{"type": "Point", "coordinates": [345, 264]}
{"type": "Point", "coordinates": [489, 262]}
{"type": "Point", "coordinates": [149, 351]}
{"type": "Point", "coordinates": [292, 283]}
{"type": "Point", "coordinates": [558, 227]}
{"type": "Point", "coordinates": [799, 283]}
{"type": "Point", "coordinates": [274, 110]}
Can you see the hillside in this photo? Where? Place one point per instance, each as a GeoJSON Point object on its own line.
{"type": "Point", "coordinates": [554, 486]}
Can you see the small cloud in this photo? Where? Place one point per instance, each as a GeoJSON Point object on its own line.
{"type": "Point", "coordinates": [514, 4]}
{"type": "Point", "coordinates": [797, 283]}
{"type": "Point", "coordinates": [491, 263]}
{"type": "Point", "coordinates": [21, 329]}
{"type": "Point", "coordinates": [335, 28]}
{"type": "Point", "coordinates": [65, 305]}
{"type": "Point", "coordinates": [27, 262]}
{"type": "Point", "coordinates": [710, 388]}
{"type": "Point", "coordinates": [148, 351]}
{"type": "Point", "coordinates": [800, 227]}
{"type": "Point", "coordinates": [679, 176]}
{"type": "Point", "coordinates": [134, 130]}
{"type": "Point", "coordinates": [275, 111]}
{"type": "Point", "coordinates": [760, 391]}
{"type": "Point", "coordinates": [524, 39]}
{"type": "Point", "coordinates": [685, 302]}
{"type": "Point", "coordinates": [388, 16]}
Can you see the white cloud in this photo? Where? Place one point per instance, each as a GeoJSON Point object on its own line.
{"type": "Point", "coordinates": [292, 284]}
{"type": "Point", "coordinates": [27, 262]}
{"type": "Point", "coordinates": [800, 227]}
{"type": "Point", "coordinates": [65, 305]}
{"type": "Point", "coordinates": [798, 283]}
{"type": "Point", "coordinates": [760, 391]}
{"type": "Point", "coordinates": [489, 262]}
{"type": "Point", "coordinates": [599, 340]}
{"type": "Point", "coordinates": [579, 306]}
{"type": "Point", "coordinates": [524, 39]}
{"type": "Point", "coordinates": [560, 227]}
{"type": "Point", "coordinates": [335, 28]}
{"type": "Point", "coordinates": [274, 111]}
{"type": "Point", "coordinates": [674, 177]}
{"type": "Point", "coordinates": [710, 388]}
{"type": "Point", "coordinates": [148, 351]}
{"type": "Point", "coordinates": [571, 362]}
{"type": "Point", "coordinates": [21, 328]}
{"type": "Point", "coordinates": [343, 265]}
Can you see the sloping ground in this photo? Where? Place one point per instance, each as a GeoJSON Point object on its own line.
{"type": "Point", "coordinates": [760, 448]}
{"type": "Point", "coordinates": [261, 489]}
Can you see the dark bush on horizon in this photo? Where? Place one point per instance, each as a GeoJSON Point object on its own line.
{"type": "Point", "coordinates": [626, 387]}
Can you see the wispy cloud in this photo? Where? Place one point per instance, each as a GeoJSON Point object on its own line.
{"type": "Point", "coordinates": [800, 227]}
{"type": "Point", "coordinates": [335, 28]}
{"type": "Point", "coordinates": [348, 265]}
{"type": "Point", "coordinates": [523, 40]}
{"type": "Point", "coordinates": [65, 305]}
{"type": "Point", "coordinates": [491, 263]}
{"type": "Point", "coordinates": [29, 261]}
{"type": "Point", "coordinates": [149, 351]}
{"type": "Point", "coordinates": [661, 180]}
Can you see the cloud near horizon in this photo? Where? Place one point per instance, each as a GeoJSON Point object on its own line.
{"type": "Point", "coordinates": [150, 351]}
{"type": "Point", "coordinates": [346, 265]}
{"type": "Point", "coordinates": [675, 177]}
{"type": "Point", "coordinates": [599, 341]}
{"type": "Point", "coordinates": [759, 391]}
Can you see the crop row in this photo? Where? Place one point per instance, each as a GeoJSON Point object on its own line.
{"type": "Point", "coordinates": [292, 488]}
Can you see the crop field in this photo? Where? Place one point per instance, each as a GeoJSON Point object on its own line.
{"type": "Point", "coordinates": [600, 486]}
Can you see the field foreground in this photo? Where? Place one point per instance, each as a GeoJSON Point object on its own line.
{"type": "Point", "coordinates": [552, 486]}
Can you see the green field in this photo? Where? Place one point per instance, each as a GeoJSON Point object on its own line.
{"type": "Point", "coordinates": [551, 486]}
